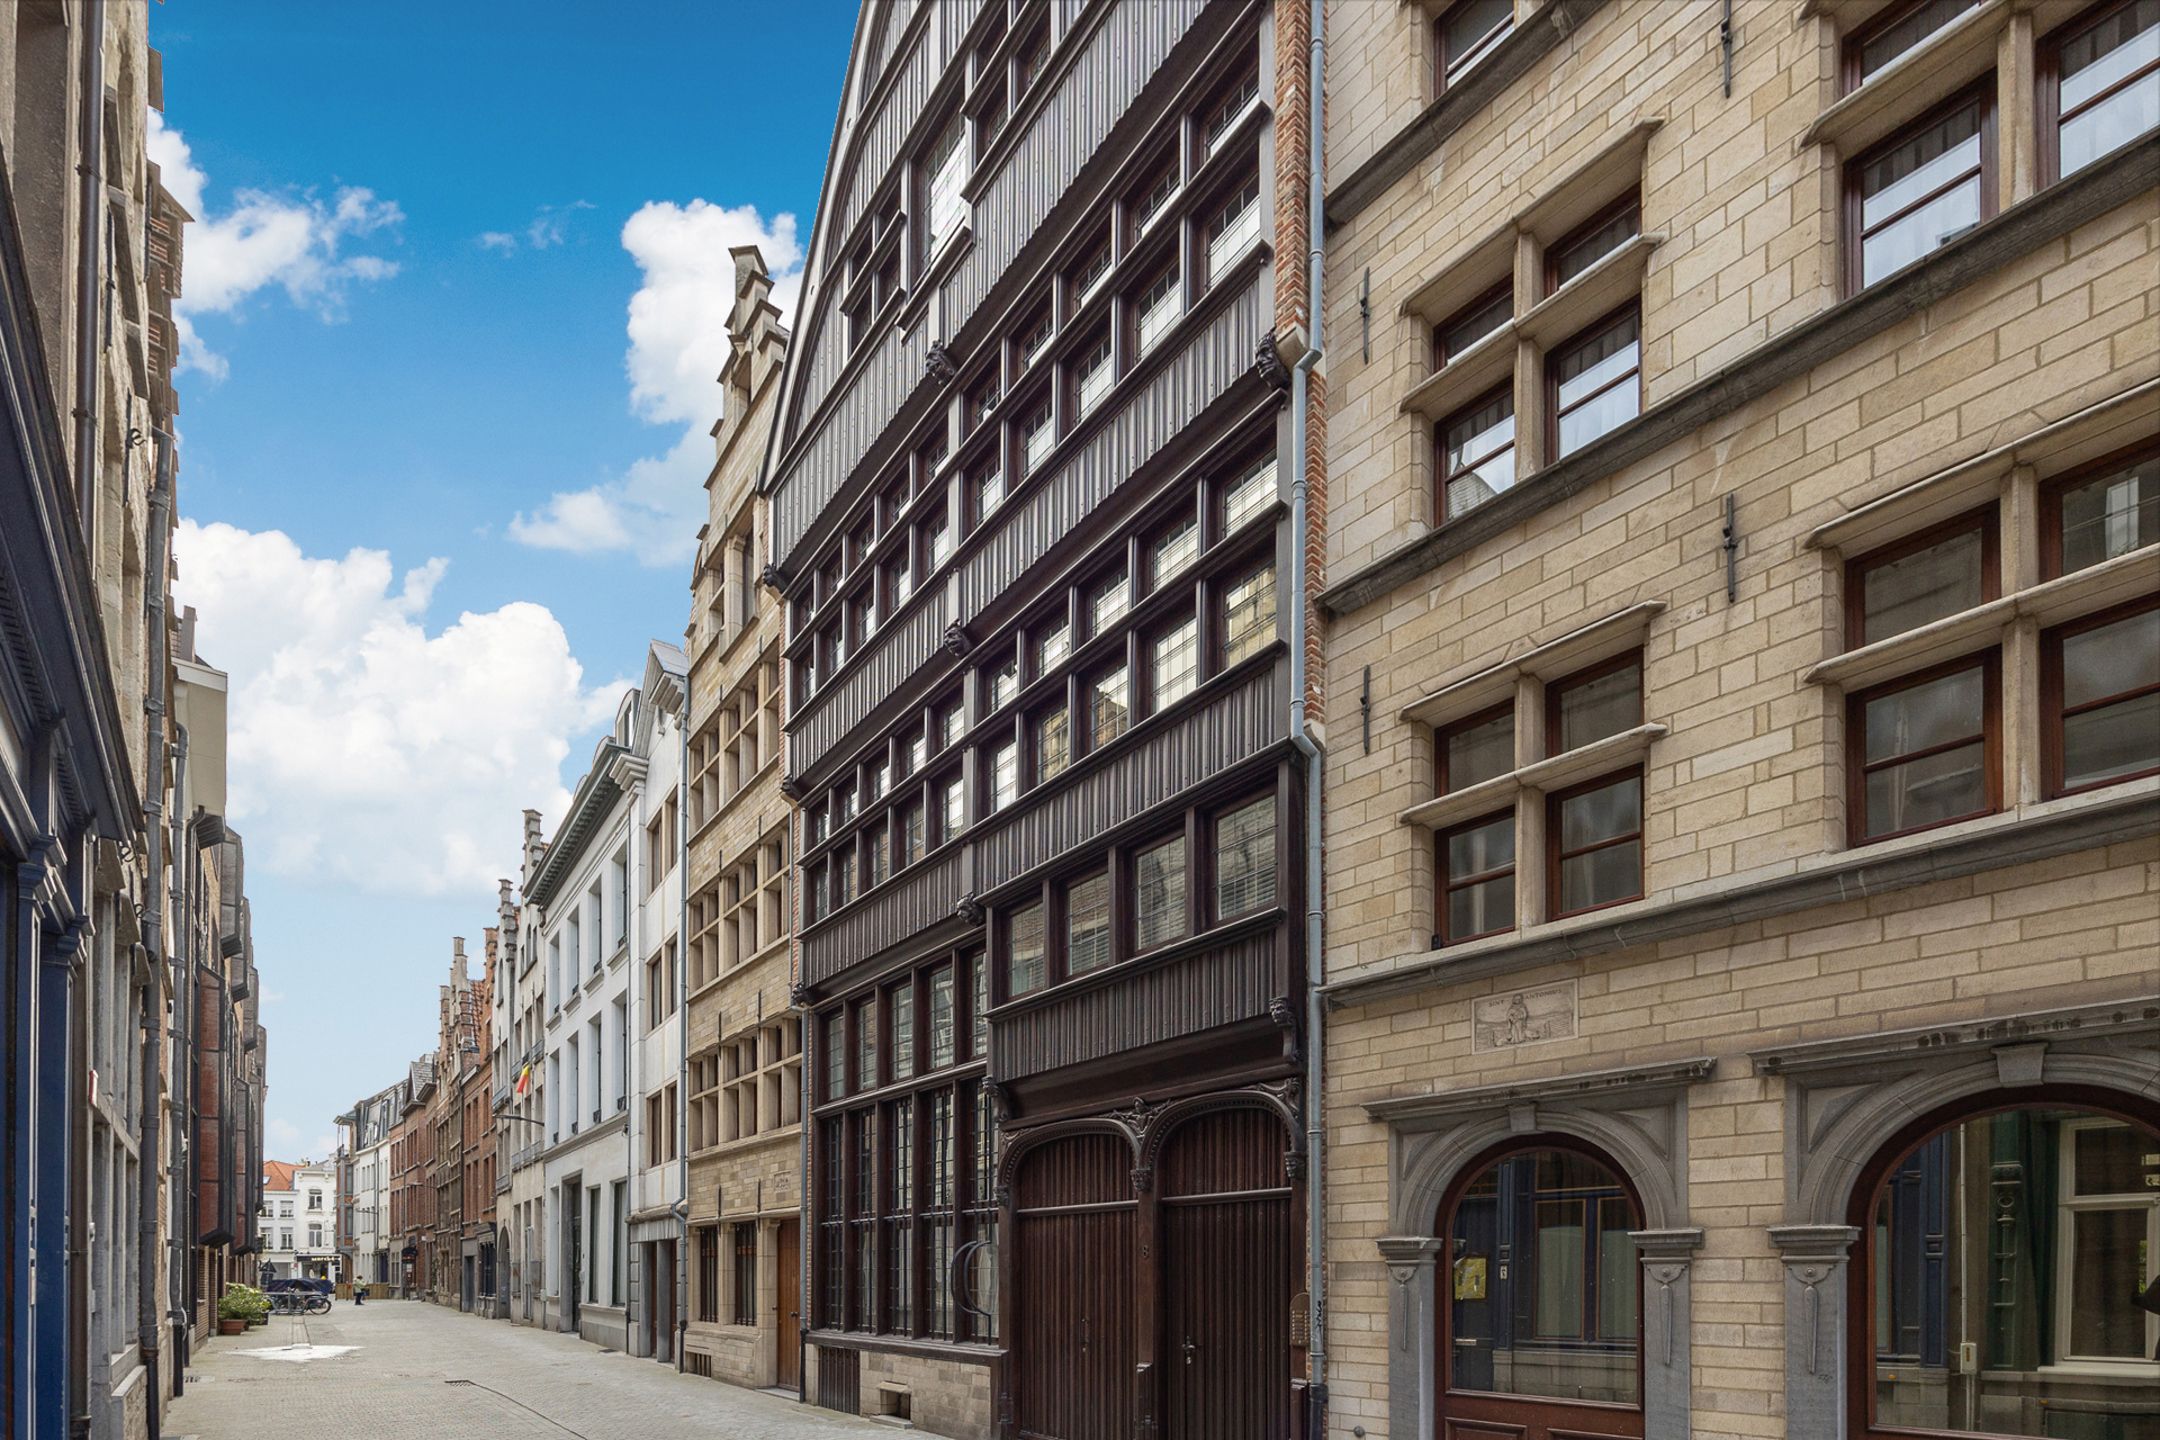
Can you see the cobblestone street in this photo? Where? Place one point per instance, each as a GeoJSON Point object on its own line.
{"type": "Point", "coordinates": [416, 1369]}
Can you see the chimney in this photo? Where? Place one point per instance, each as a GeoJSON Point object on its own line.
{"type": "Point", "coordinates": [535, 846]}
{"type": "Point", "coordinates": [457, 958]}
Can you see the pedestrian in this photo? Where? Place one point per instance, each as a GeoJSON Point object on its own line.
{"type": "Point", "coordinates": [359, 1292]}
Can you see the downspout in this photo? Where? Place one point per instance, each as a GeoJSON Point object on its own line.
{"type": "Point", "coordinates": [805, 1236]}
{"type": "Point", "coordinates": [176, 1190]}
{"type": "Point", "coordinates": [89, 167]}
{"type": "Point", "coordinates": [155, 570]}
{"type": "Point", "coordinates": [1301, 736]}
{"type": "Point", "coordinates": [682, 1025]}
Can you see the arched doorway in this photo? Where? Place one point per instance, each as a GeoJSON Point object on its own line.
{"type": "Point", "coordinates": [1999, 1283]}
{"type": "Point", "coordinates": [1230, 1253]}
{"type": "Point", "coordinates": [1540, 1297]}
{"type": "Point", "coordinates": [1074, 1218]}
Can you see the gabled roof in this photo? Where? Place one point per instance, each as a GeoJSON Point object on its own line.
{"type": "Point", "coordinates": [278, 1174]}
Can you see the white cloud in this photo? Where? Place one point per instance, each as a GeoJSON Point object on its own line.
{"type": "Point", "coordinates": [678, 342]}
{"type": "Point", "coordinates": [367, 748]}
{"type": "Point", "coordinates": [294, 241]}
{"type": "Point", "coordinates": [549, 227]}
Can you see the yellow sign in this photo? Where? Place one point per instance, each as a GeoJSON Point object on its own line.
{"type": "Point", "coordinates": [1470, 1278]}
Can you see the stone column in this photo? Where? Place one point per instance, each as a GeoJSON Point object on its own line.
{"type": "Point", "coordinates": [1816, 1327]}
{"type": "Point", "coordinates": [1668, 1258]}
{"type": "Point", "coordinates": [1413, 1333]}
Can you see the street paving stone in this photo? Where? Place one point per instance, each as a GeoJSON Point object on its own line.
{"type": "Point", "coordinates": [419, 1370]}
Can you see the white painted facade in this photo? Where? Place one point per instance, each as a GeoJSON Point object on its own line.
{"type": "Point", "coordinates": [299, 1224]}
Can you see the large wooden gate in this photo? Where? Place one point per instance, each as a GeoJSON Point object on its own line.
{"type": "Point", "coordinates": [1229, 1259]}
{"type": "Point", "coordinates": [1073, 1338]}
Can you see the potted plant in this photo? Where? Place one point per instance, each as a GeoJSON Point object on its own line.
{"type": "Point", "coordinates": [235, 1308]}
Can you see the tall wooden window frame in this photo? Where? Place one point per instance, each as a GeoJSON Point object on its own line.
{"type": "Point", "coordinates": [2048, 78]}
{"type": "Point", "coordinates": [1854, 233]}
{"type": "Point", "coordinates": [1557, 854]}
{"type": "Point", "coordinates": [2056, 713]}
{"type": "Point", "coordinates": [1988, 737]}
{"type": "Point", "coordinates": [1983, 522]}
{"type": "Point", "coordinates": [2054, 491]}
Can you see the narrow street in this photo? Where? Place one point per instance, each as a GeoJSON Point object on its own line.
{"type": "Point", "coordinates": [395, 1369]}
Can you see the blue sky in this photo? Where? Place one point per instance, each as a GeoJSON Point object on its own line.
{"type": "Point", "coordinates": [452, 302]}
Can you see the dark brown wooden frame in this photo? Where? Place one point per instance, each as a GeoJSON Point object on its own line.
{"type": "Point", "coordinates": [2056, 486]}
{"type": "Point", "coordinates": [1576, 679]}
{"type": "Point", "coordinates": [1441, 355]}
{"type": "Point", "coordinates": [1446, 70]}
{"type": "Point", "coordinates": [1441, 473]}
{"type": "Point", "coordinates": [1553, 414]}
{"type": "Point", "coordinates": [1554, 855]}
{"type": "Point", "coordinates": [1856, 703]}
{"type": "Point", "coordinates": [1850, 46]}
{"type": "Point", "coordinates": [1850, 200]}
{"type": "Point", "coordinates": [1444, 885]}
{"type": "Point", "coordinates": [1628, 204]}
{"type": "Point", "coordinates": [1860, 1271]}
{"type": "Point", "coordinates": [1443, 1274]}
{"type": "Point", "coordinates": [2053, 715]}
{"type": "Point", "coordinates": [1986, 519]}
{"type": "Point", "coordinates": [1443, 782]}
{"type": "Point", "coordinates": [2047, 83]}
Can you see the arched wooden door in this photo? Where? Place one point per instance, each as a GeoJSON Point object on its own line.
{"type": "Point", "coordinates": [1541, 1298]}
{"type": "Point", "coordinates": [1073, 1340]}
{"type": "Point", "coordinates": [1229, 1267]}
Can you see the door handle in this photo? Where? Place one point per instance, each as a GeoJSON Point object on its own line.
{"type": "Point", "coordinates": [1189, 1349]}
{"type": "Point", "coordinates": [1083, 1332]}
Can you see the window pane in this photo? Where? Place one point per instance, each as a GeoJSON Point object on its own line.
{"type": "Point", "coordinates": [1934, 712]}
{"type": "Point", "coordinates": [1175, 657]}
{"type": "Point", "coordinates": [2111, 515]}
{"type": "Point", "coordinates": [1245, 859]}
{"type": "Point", "coordinates": [1480, 752]}
{"type": "Point", "coordinates": [1087, 929]}
{"type": "Point", "coordinates": [1900, 36]}
{"type": "Point", "coordinates": [941, 1017]}
{"type": "Point", "coordinates": [2112, 741]}
{"type": "Point", "coordinates": [1481, 909]}
{"type": "Point", "coordinates": [2110, 1160]}
{"type": "Point", "coordinates": [1927, 791]}
{"type": "Point", "coordinates": [1107, 601]}
{"type": "Point", "coordinates": [1595, 709]}
{"type": "Point", "coordinates": [1929, 584]}
{"type": "Point", "coordinates": [1473, 325]}
{"type": "Point", "coordinates": [1025, 971]}
{"type": "Point", "coordinates": [1481, 849]}
{"type": "Point", "coordinates": [1906, 175]}
{"type": "Point", "coordinates": [1601, 877]}
{"type": "Point", "coordinates": [1601, 814]}
{"type": "Point", "coordinates": [902, 1003]}
{"type": "Point", "coordinates": [1053, 744]}
{"type": "Point", "coordinates": [1543, 1270]}
{"type": "Point", "coordinates": [1469, 30]}
{"type": "Point", "coordinates": [1005, 775]}
{"type": "Point", "coordinates": [1249, 616]}
{"type": "Point", "coordinates": [1248, 497]}
{"type": "Point", "coordinates": [1988, 1270]}
{"type": "Point", "coordinates": [1052, 646]}
{"type": "Point", "coordinates": [2123, 47]}
{"type": "Point", "coordinates": [1477, 453]}
{"type": "Point", "coordinates": [1594, 245]}
{"type": "Point", "coordinates": [1109, 708]}
{"type": "Point", "coordinates": [2111, 659]}
{"type": "Point", "coordinates": [1174, 551]}
{"type": "Point", "coordinates": [1159, 899]}
{"type": "Point", "coordinates": [1598, 388]}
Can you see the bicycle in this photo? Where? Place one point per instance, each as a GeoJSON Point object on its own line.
{"type": "Point", "coordinates": [299, 1302]}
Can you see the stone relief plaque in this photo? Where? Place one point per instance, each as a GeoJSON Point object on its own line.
{"type": "Point", "coordinates": [1534, 1016]}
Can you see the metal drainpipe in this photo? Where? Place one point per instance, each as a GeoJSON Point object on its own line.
{"type": "Point", "coordinates": [176, 1190]}
{"type": "Point", "coordinates": [154, 572]}
{"type": "Point", "coordinates": [89, 168]}
{"type": "Point", "coordinates": [1301, 736]}
{"type": "Point", "coordinates": [682, 1022]}
{"type": "Point", "coordinates": [805, 1236]}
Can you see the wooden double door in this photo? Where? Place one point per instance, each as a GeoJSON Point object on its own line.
{"type": "Point", "coordinates": [1145, 1306]}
